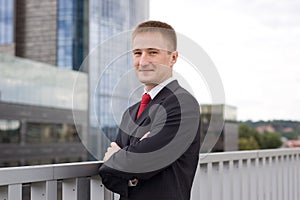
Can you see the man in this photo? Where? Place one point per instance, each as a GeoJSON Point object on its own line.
{"type": "Point", "coordinates": [156, 152]}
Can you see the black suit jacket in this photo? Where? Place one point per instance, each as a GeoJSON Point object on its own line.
{"type": "Point", "coordinates": [173, 119]}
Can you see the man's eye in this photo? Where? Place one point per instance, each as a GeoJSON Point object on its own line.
{"type": "Point", "coordinates": [153, 52]}
{"type": "Point", "coordinates": [137, 53]}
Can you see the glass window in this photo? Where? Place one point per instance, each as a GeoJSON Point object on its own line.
{"type": "Point", "coordinates": [51, 133]}
{"type": "Point", "coordinates": [6, 21]}
{"type": "Point", "coordinates": [70, 34]}
{"type": "Point", "coordinates": [10, 131]}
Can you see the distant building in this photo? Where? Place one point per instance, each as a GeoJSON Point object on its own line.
{"type": "Point", "coordinates": [287, 130]}
{"type": "Point", "coordinates": [292, 143]}
{"type": "Point", "coordinates": [212, 139]}
{"type": "Point", "coordinates": [265, 128]}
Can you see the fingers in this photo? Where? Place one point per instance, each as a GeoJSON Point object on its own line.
{"type": "Point", "coordinates": [145, 136]}
{"type": "Point", "coordinates": [111, 150]}
{"type": "Point", "coordinates": [114, 145]}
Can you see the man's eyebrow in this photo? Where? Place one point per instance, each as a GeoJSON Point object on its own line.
{"type": "Point", "coordinates": [136, 50]}
{"type": "Point", "coordinates": [148, 49]}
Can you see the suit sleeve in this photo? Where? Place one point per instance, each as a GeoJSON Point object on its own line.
{"type": "Point", "coordinates": [122, 139]}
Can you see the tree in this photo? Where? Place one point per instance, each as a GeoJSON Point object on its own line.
{"type": "Point", "coordinates": [271, 140]}
{"type": "Point", "coordinates": [249, 135]}
{"type": "Point", "coordinates": [248, 144]}
{"type": "Point", "coordinates": [250, 139]}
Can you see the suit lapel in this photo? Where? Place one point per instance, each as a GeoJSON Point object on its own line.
{"type": "Point", "coordinates": [165, 92]}
{"type": "Point", "coordinates": [132, 124]}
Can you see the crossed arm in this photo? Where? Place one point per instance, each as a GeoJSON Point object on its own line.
{"type": "Point", "coordinates": [114, 148]}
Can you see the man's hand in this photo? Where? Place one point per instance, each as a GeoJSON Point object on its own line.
{"type": "Point", "coordinates": [145, 136]}
{"type": "Point", "coordinates": [111, 150]}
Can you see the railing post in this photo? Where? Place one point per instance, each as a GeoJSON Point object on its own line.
{"type": "Point", "coordinates": [69, 189]}
{"type": "Point", "coordinates": [15, 192]}
{"type": "Point", "coordinates": [236, 182]}
{"type": "Point", "coordinates": [51, 190]}
{"type": "Point", "coordinates": [75, 189]}
{"type": "Point", "coordinates": [226, 184]}
{"type": "Point", "coordinates": [97, 188]}
{"type": "Point", "coordinates": [297, 170]}
{"type": "Point", "coordinates": [279, 177]}
{"type": "Point", "coordinates": [38, 191]}
{"type": "Point", "coordinates": [44, 190]}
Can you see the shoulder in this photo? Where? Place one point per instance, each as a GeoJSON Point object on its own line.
{"type": "Point", "coordinates": [178, 94]}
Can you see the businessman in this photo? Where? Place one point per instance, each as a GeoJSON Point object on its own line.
{"type": "Point", "coordinates": [156, 152]}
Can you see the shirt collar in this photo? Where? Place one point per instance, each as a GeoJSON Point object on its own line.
{"type": "Point", "coordinates": [154, 91]}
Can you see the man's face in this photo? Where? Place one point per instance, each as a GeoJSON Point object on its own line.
{"type": "Point", "coordinates": [152, 60]}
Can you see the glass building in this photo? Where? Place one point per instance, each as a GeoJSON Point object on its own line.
{"type": "Point", "coordinates": [109, 62]}
{"type": "Point", "coordinates": [6, 21]}
{"type": "Point", "coordinates": [66, 34]}
{"type": "Point", "coordinates": [36, 113]}
{"type": "Point", "coordinates": [7, 11]}
{"type": "Point", "coordinates": [213, 139]}
{"type": "Point", "coordinates": [63, 32]}
{"type": "Point", "coordinates": [70, 33]}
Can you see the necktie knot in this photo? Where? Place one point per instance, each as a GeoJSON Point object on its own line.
{"type": "Point", "coordinates": [145, 100]}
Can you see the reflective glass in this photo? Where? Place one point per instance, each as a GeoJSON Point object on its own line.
{"type": "Point", "coordinates": [10, 131]}
{"type": "Point", "coordinates": [38, 133]}
{"type": "Point", "coordinates": [70, 34]}
{"type": "Point", "coordinates": [6, 21]}
{"type": "Point", "coordinates": [33, 83]}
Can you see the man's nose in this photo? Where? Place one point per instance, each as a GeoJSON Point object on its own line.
{"type": "Point", "coordinates": [144, 60]}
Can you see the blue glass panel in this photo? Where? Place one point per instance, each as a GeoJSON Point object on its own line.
{"type": "Point", "coordinates": [70, 33]}
{"type": "Point", "coordinates": [6, 21]}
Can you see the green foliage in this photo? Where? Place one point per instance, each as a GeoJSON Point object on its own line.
{"type": "Point", "coordinates": [271, 140]}
{"type": "Point", "coordinates": [291, 135]}
{"type": "Point", "coordinates": [250, 139]}
{"type": "Point", "coordinates": [248, 144]}
{"type": "Point", "coordinates": [279, 126]}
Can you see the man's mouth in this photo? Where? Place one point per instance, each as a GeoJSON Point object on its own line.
{"type": "Point", "coordinates": [146, 70]}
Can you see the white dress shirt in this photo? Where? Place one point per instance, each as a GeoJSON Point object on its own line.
{"type": "Point", "coordinates": [154, 91]}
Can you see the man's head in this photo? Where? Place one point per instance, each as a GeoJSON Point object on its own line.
{"type": "Point", "coordinates": [154, 52]}
{"type": "Point", "coordinates": [164, 29]}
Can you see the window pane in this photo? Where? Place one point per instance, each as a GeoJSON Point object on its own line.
{"type": "Point", "coordinates": [6, 21]}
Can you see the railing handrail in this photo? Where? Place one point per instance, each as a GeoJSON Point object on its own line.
{"type": "Point", "coordinates": [251, 154]}
{"type": "Point", "coordinates": [28, 174]}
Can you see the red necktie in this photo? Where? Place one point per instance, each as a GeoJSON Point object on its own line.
{"type": "Point", "coordinates": [145, 100]}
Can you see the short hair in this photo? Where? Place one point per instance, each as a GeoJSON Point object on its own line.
{"type": "Point", "coordinates": [165, 29]}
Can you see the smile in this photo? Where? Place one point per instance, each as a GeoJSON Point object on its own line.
{"type": "Point", "coordinates": [146, 70]}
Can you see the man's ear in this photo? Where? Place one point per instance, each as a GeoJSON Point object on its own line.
{"type": "Point", "coordinates": [174, 56]}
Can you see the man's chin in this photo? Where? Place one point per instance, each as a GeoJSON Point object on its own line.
{"type": "Point", "coordinates": [147, 82]}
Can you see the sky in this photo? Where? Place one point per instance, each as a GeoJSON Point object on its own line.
{"type": "Point", "coordinates": [255, 46]}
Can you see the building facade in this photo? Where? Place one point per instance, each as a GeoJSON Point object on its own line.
{"type": "Point", "coordinates": [213, 138]}
{"type": "Point", "coordinates": [63, 34]}
{"type": "Point", "coordinates": [36, 113]}
{"type": "Point", "coordinates": [7, 12]}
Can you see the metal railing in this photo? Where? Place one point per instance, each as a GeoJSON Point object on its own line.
{"type": "Point", "coordinates": [79, 182]}
{"type": "Point", "coordinates": [242, 175]}
{"type": "Point", "coordinates": [249, 175]}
